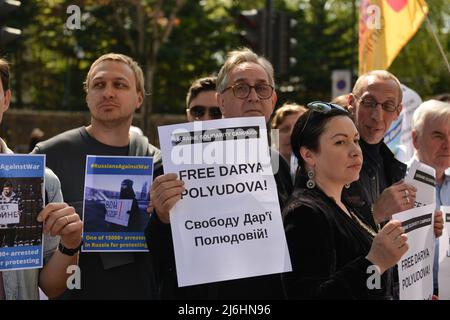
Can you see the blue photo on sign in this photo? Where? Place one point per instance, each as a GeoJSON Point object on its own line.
{"type": "Point", "coordinates": [116, 198]}
{"type": "Point", "coordinates": [21, 201]}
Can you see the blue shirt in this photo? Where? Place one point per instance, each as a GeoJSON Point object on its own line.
{"type": "Point", "coordinates": [442, 199]}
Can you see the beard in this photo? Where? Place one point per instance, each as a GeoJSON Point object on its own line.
{"type": "Point", "coordinates": [112, 120]}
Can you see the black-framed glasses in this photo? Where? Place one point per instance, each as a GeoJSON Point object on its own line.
{"type": "Point", "coordinates": [242, 90]}
{"type": "Point", "coordinates": [200, 111]}
{"type": "Point", "coordinates": [372, 103]}
{"type": "Point", "coordinates": [321, 107]}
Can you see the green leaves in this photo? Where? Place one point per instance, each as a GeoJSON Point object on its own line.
{"type": "Point", "coordinates": [50, 62]}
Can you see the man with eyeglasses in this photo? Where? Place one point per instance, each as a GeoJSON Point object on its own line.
{"type": "Point", "coordinates": [375, 102]}
{"type": "Point", "coordinates": [245, 88]}
{"type": "Point", "coordinates": [201, 100]}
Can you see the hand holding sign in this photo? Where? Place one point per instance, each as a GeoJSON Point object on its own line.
{"type": "Point", "coordinates": [166, 191]}
{"type": "Point", "coordinates": [388, 246]}
{"type": "Point", "coordinates": [398, 197]}
{"type": "Point", "coordinates": [61, 220]}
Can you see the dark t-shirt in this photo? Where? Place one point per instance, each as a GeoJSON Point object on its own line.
{"type": "Point", "coordinates": [103, 275]}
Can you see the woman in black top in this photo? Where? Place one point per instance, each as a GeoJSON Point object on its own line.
{"type": "Point", "coordinates": [334, 253]}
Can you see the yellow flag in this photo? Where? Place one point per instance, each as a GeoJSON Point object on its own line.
{"type": "Point", "coordinates": [385, 26]}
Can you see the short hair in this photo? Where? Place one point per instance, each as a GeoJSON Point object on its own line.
{"type": "Point", "coordinates": [4, 74]}
{"type": "Point", "coordinates": [286, 110]}
{"type": "Point", "coordinates": [429, 110]}
{"type": "Point", "coordinates": [198, 86]}
{"type": "Point", "coordinates": [238, 57]}
{"type": "Point", "coordinates": [379, 74]}
{"type": "Point", "coordinates": [138, 74]}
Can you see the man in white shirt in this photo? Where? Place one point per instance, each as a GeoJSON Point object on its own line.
{"type": "Point", "coordinates": [431, 140]}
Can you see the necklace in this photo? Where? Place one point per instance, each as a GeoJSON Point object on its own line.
{"type": "Point", "coordinates": [354, 217]}
{"type": "Point", "coordinates": [362, 224]}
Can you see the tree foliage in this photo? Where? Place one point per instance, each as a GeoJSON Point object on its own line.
{"type": "Point", "coordinates": [177, 41]}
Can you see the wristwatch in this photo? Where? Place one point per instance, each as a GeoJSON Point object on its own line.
{"type": "Point", "coordinates": [67, 251]}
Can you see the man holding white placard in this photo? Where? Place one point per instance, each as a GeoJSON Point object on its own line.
{"type": "Point", "coordinates": [380, 192]}
{"type": "Point", "coordinates": [431, 139]}
{"type": "Point", "coordinates": [245, 88]}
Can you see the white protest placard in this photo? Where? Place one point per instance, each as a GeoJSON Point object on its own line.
{"type": "Point", "coordinates": [228, 223]}
{"type": "Point", "coordinates": [117, 211]}
{"type": "Point", "coordinates": [9, 213]}
{"type": "Point", "coordinates": [422, 177]}
{"type": "Point", "coordinates": [415, 268]}
{"type": "Point", "coordinates": [444, 256]}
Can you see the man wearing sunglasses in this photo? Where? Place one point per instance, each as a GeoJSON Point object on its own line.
{"type": "Point", "coordinates": [245, 88]}
{"type": "Point", "coordinates": [201, 100]}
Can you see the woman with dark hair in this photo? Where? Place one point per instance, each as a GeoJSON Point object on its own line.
{"type": "Point", "coordinates": [334, 253]}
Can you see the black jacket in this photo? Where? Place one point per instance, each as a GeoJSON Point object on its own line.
{"type": "Point", "coordinates": [327, 250]}
{"type": "Point", "coordinates": [363, 193]}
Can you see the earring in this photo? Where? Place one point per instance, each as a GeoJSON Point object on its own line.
{"type": "Point", "coordinates": [347, 185]}
{"type": "Point", "coordinates": [310, 184]}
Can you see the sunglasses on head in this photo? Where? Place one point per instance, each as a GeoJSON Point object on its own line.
{"type": "Point", "coordinates": [321, 107]}
{"type": "Point", "coordinates": [200, 111]}
{"type": "Point", "coordinates": [324, 107]}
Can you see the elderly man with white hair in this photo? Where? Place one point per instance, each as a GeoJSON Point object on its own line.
{"type": "Point", "coordinates": [431, 140]}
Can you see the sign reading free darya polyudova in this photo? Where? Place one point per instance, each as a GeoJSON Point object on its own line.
{"type": "Point", "coordinates": [116, 197]}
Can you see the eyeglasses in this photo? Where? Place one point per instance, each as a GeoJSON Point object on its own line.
{"type": "Point", "coordinates": [200, 111]}
{"type": "Point", "coordinates": [321, 107]}
{"type": "Point", "coordinates": [370, 102]}
{"type": "Point", "coordinates": [242, 90]}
